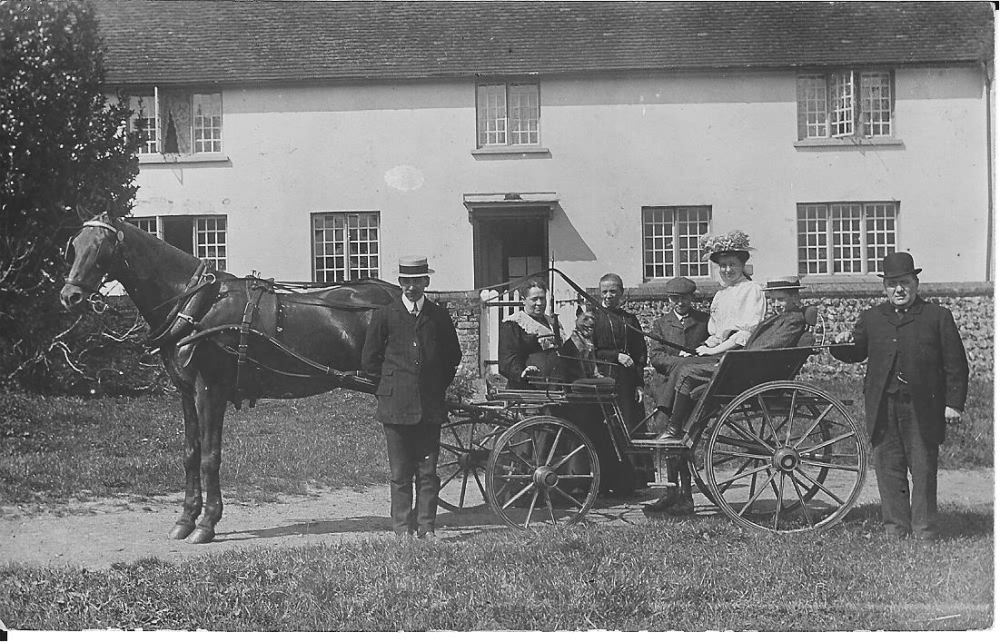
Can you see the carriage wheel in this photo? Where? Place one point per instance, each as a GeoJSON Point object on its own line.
{"type": "Point", "coordinates": [543, 470]}
{"type": "Point", "coordinates": [786, 457]}
{"type": "Point", "coordinates": [465, 449]}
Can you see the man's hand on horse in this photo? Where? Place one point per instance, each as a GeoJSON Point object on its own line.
{"type": "Point", "coordinates": [951, 415]}
{"type": "Point", "coordinates": [625, 360]}
{"type": "Point", "coordinates": [844, 337]}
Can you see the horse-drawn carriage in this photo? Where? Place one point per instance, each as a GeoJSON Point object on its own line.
{"type": "Point", "coordinates": [772, 453]}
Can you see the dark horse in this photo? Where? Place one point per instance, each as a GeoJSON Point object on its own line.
{"type": "Point", "coordinates": [224, 339]}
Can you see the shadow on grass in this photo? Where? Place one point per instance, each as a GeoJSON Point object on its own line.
{"type": "Point", "coordinates": [952, 523]}
{"type": "Point", "coordinates": [479, 519]}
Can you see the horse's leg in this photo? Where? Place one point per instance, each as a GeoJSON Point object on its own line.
{"type": "Point", "coordinates": [210, 401]}
{"type": "Point", "coordinates": [192, 473]}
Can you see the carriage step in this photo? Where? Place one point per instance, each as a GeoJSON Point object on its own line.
{"type": "Point", "coordinates": [663, 444]}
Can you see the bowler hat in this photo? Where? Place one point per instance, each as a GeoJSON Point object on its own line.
{"type": "Point", "coordinates": [898, 264]}
{"type": "Point", "coordinates": [680, 285]}
{"type": "Point", "coordinates": [413, 266]}
{"type": "Point", "coordinates": [783, 283]}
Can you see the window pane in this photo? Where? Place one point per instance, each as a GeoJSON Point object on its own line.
{"type": "Point", "coordinates": [207, 122]}
{"type": "Point", "coordinates": [876, 103]}
{"type": "Point", "coordinates": [345, 246]}
{"type": "Point", "coordinates": [842, 118]}
{"type": "Point", "coordinates": [524, 114]}
{"type": "Point", "coordinates": [812, 239]}
{"type": "Point", "coordinates": [491, 111]}
{"type": "Point", "coordinates": [147, 123]}
{"type": "Point", "coordinates": [670, 241]}
{"type": "Point", "coordinates": [880, 236]}
{"type": "Point", "coordinates": [210, 240]}
{"type": "Point", "coordinates": [813, 89]}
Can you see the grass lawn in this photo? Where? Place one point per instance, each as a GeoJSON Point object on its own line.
{"type": "Point", "coordinates": [691, 575]}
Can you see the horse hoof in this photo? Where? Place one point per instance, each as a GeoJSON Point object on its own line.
{"type": "Point", "coordinates": [180, 530]}
{"type": "Point", "coordinates": [201, 535]}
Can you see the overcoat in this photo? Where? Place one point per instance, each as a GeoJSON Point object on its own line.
{"type": "Point", "coordinates": [932, 359]}
{"type": "Point", "coordinates": [414, 360]}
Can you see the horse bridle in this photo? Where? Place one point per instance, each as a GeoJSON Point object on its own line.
{"type": "Point", "coordinates": [95, 297]}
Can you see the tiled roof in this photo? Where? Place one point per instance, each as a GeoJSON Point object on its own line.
{"type": "Point", "coordinates": [225, 41]}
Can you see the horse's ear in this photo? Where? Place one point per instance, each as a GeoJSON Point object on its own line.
{"type": "Point", "coordinates": [82, 213]}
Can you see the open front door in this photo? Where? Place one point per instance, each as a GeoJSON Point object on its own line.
{"type": "Point", "coordinates": [510, 240]}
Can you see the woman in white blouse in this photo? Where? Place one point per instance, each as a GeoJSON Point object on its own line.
{"type": "Point", "coordinates": [736, 310]}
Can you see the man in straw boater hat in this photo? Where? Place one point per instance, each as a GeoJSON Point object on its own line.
{"type": "Point", "coordinates": [916, 382]}
{"type": "Point", "coordinates": [784, 329]}
{"type": "Point", "coordinates": [412, 351]}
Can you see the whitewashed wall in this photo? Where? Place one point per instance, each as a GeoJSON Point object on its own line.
{"type": "Point", "coordinates": [616, 144]}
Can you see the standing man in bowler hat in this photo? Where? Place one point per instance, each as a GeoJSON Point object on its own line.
{"type": "Point", "coordinates": [412, 350]}
{"type": "Point", "coordinates": [916, 383]}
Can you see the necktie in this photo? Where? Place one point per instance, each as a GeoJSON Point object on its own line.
{"type": "Point", "coordinates": [415, 311]}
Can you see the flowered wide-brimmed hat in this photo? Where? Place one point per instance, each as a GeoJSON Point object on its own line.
{"type": "Point", "coordinates": [714, 244]}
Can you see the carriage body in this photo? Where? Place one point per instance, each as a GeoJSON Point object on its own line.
{"type": "Point", "coordinates": [772, 453]}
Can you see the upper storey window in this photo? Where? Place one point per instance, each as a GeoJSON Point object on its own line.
{"type": "Point", "coordinates": [179, 122]}
{"type": "Point", "coordinates": [848, 103]}
{"type": "Point", "coordinates": [507, 114]}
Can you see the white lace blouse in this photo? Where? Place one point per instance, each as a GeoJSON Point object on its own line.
{"type": "Point", "coordinates": [736, 308]}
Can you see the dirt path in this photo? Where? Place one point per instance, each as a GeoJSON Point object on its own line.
{"type": "Point", "coordinates": [97, 534]}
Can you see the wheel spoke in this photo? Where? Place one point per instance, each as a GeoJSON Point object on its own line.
{"type": "Point", "coordinates": [814, 425]}
{"type": "Point", "coordinates": [568, 496]}
{"type": "Point", "coordinates": [754, 498]}
{"type": "Point", "coordinates": [728, 484]}
{"type": "Point", "coordinates": [749, 436]}
{"type": "Point", "coordinates": [734, 455]}
{"type": "Point", "coordinates": [552, 513]}
{"type": "Point", "coordinates": [531, 509]}
{"type": "Point", "coordinates": [555, 445]}
{"type": "Point", "coordinates": [567, 457]}
{"type": "Point", "coordinates": [518, 496]}
{"type": "Point", "coordinates": [791, 418]}
{"type": "Point", "coordinates": [779, 492]}
{"type": "Point", "coordinates": [828, 442]}
{"type": "Point", "coordinates": [826, 490]}
{"type": "Point", "coordinates": [802, 502]}
{"type": "Point", "coordinates": [743, 474]}
{"type": "Point", "coordinates": [827, 464]}
{"type": "Point", "coordinates": [767, 418]}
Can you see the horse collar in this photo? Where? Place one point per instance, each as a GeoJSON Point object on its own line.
{"type": "Point", "coordinates": [111, 228]}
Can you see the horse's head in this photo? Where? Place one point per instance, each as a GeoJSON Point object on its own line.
{"type": "Point", "coordinates": [94, 249]}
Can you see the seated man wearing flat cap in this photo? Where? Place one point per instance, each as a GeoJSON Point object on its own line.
{"type": "Point", "coordinates": [682, 325]}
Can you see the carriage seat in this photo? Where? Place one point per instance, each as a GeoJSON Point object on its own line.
{"type": "Point", "coordinates": [603, 386]}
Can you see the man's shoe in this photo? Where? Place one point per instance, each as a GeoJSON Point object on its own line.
{"type": "Point", "coordinates": [663, 503]}
{"type": "Point", "coordinates": [671, 433]}
{"type": "Point", "coordinates": [429, 536]}
{"type": "Point", "coordinates": [683, 506]}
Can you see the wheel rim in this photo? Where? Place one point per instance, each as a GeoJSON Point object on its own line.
{"type": "Point", "coordinates": [785, 457]}
{"type": "Point", "coordinates": [465, 451]}
{"type": "Point", "coordinates": [542, 471]}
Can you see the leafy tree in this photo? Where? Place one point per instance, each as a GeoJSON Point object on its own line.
{"type": "Point", "coordinates": [64, 147]}
{"type": "Point", "coordinates": [65, 152]}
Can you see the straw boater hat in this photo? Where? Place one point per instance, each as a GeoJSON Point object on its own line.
{"type": "Point", "coordinates": [898, 264]}
{"type": "Point", "coordinates": [414, 266]}
{"type": "Point", "coordinates": [783, 283]}
{"type": "Point", "coordinates": [736, 241]}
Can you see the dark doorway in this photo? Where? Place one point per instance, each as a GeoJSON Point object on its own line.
{"type": "Point", "coordinates": [509, 246]}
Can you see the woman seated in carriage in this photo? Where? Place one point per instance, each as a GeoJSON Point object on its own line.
{"type": "Point", "coordinates": [530, 340]}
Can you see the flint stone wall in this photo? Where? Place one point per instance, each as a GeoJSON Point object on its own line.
{"type": "Point", "coordinates": [839, 305]}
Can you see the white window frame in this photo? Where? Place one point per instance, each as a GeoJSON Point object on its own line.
{"type": "Point", "coordinates": [846, 103]}
{"type": "Point", "coordinates": [206, 123]}
{"type": "Point", "coordinates": [358, 237]}
{"type": "Point", "coordinates": [670, 241]}
{"type": "Point", "coordinates": [845, 238]}
{"type": "Point", "coordinates": [209, 235]}
{"type": "Point", "coordinates": [142, 105]}
{"type": "Point", "coordinates": [508, 114]}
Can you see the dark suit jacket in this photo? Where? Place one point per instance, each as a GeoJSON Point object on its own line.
{"type": "Point", "coordinates": [518, 349]}
{"type": "Point", "coordinates": [414, 359]}
{"type": "Point", "coordinates": [690, 333]}
{"type": "Point", "coordinates": [779, 331]}
{"type": "Point", "coordinates": [932, 358]}
{"type": "Point", "coordinates": [612, 337]}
